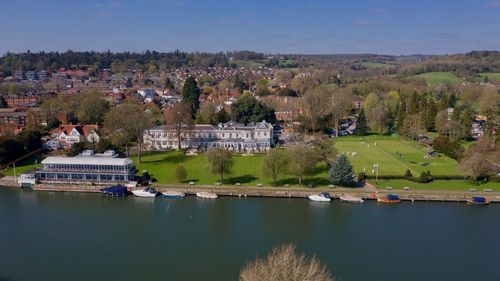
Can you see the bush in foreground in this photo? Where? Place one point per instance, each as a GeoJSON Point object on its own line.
{"type": "Point", "coordinates": [283, 264]}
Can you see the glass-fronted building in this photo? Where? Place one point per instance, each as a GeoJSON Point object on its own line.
{"type": "Point", "coordinates": [86, 168]}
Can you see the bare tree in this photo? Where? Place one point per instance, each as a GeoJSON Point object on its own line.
{"type": "Point", "coordinates": [302, 160]}
{"type": "Point", "coordinates": [274, 164]}
{"type": "Point", "coordinates": [283, 264]}
{"type": "Point", "coordinates": [178, 117]}
{"type": "Point", "coordinates": [413, 126]}
{"type": "Point", "coordinates": [128, 121]}
{"type": "Point", "coordinates": [341, 107]}
{"type": "Point", "coordinates": [315, 107]}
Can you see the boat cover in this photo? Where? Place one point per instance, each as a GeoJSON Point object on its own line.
{"type": "Point", "coordinates": [479, 199]}
{"type": "Point", "coordinates": [392, 197]}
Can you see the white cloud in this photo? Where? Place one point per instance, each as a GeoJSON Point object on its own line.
{"type": "Point", "coordinates": [493, 4]}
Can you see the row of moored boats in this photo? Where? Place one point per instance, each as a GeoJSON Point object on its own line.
{"type": "Point", "coordinates": [149, 192]}
{"type": "Point", "coordinates": [389, 198]}
{"type": "Point", "coordinates": [121, 191]}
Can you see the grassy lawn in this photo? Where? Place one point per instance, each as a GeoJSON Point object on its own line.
{"type": "Point", "coordinates": [24, 165]}
{"type": "Point", "coordinates": [491, 75]}
{"type": "Point", "coordinates": [459, 185]}
{"type": "Point", "coordinates": [247, 170]}
{"type": "Point", "coordinates": [439, 77]}
{"type": "Point", "coordinates": [385, 153]}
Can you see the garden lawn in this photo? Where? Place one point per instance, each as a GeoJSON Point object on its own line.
{"type": "Point", "coordinates": [459, 185]}
{"type": "Point", "coordinates": [438, 77]}
{"type": "Point", "coordinates": [385, 153]}
{"type": "Point", "coordinates": [247, 170]}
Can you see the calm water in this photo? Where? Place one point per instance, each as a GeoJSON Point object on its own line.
{"type": "Point", "coordinates": [56, 236]}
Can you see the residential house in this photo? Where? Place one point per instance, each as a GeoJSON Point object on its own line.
{"type": "Point", "coordinates": [67, 135]}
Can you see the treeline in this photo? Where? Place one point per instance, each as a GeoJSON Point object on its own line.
{"type": "Point", "coordinates": [10, 62]}
{"type": "Point", "coordinates": [12, 148]}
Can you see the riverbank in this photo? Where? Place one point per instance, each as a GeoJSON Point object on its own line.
{"type": "Point", "coordinates": [368, 192]}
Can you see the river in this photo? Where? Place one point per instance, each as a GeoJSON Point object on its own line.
{"type": "Point", "coordinates": [76, 236]}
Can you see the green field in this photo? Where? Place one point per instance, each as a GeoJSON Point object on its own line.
{"type": "Point", "coordinates": [460, 185]}
{"type": "Point", "coordinates": [385, 154]}
{"type": "Point", "coordinates": [371, 64]}
{"type": "Point", "coordinates": [247, 169]}
{"type": "Point", "coordinates": [438, 77]}
{"type": "Point", "coordinates": [491, 75]}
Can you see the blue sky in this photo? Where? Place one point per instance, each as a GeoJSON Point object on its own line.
{"type": "Point", "coordinates": [281, 26]}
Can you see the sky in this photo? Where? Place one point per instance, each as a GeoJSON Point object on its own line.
{"type": "Point", "coordinates": [393, 27]}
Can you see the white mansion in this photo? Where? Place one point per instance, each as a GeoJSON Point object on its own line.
{"type": "Point", "coordinates": [232, 136]}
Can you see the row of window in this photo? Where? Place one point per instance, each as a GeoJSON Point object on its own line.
{"type": "Point", "coordinates": [218, 135]}
{"type": "Point", "coordinates": [83, 167]}
{"type": "Point", "coordinates": [84, 177]}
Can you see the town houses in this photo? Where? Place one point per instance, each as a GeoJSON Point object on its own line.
{"type": "Point", "coordinates": [251, 137]}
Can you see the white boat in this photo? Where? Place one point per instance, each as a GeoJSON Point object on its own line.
{"type": "Point", "coordinates": [147, 192]}
{"type": "Point", "coordinates": [322, 197]}
{"type": "Point", "coordinates": [207, 195]}
{"type": "Point", "coordinates": [173, 194]}
{"type": "Point", "coordinates": [351, 199]}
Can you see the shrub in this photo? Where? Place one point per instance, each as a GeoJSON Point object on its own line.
{"type": "Point", "coordinates": [180, 173]}
{"type": "Point", "coordinates": [408, 174]}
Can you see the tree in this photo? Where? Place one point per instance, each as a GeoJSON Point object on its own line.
{"type": "Point", "coordinates": [302, 161]}
{"type": "Point", "coordinates": [3, 103]}
{"type": "Point", "coordinates": [325, 150]}
{"type": "Point", "coordinates": [179, 118]}
{"type": "Point", "coordinates": [447, 146]}
{"type": "Point", "coordinates": [315, 108]}
{"type": "Point", "coordinates": [376, 113]}
{"type": "Point", "coordinates": [220, 162]}
{"type": "Point", "coordinates": [129, 84]}
{"type": "Point", "coordinates": [430, 115]}
{"type": "Point", "coordinates": [275, 163]}
{"type": "Point", "coordinates": [91, 108]}
{"type": "Point", "coordinates": [10, 149]}
{"type": "Point", "coordinates": [191, 95]}
{"type": "Point", "coordinates": [180, 173]}
{"type": "Point", "coordinates": [340, 108]}
{"type": "Point", "coordinates": [413, 126]}
{"type": "Point", "coordinates": [222, 116]}
{"type": "Point", "coordinates": [248, 109]}
{"type": "Point", "coordinates": [128, 122]}
{"type": "Point", "coordinates": [169, 84]}
{"type": "Point", "coordinates": [361, 123]}
{"type": "Point", "coordinates": [341, 172]}
{"type": "Point", "coordinates": [261, 88]}
{"type": "Point", "coordinates": [283, 264]}
{"type": "Point", "coordinates": [206, 114]}
{"type": "Point", "coordinates": [448, 126]}
{"type": "Point", "coordinates": [31, 139]}
{"type": "Point", "coordinates": [475, 166]}
{"type": "Point", "coordinates": [481, 158]}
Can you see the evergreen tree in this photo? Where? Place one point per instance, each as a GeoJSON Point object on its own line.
{"type": "Point", "coordinates": [361, 123]}
{"type": "Point", "coordinates": [191, 94]}
{"type": "Point", "coordinates": [341, 172]}
{"type": "Point", "coordinates": [129, 83]}
{"type": "Point", "coordinates": [169, 84]}
{"type": "Point", "coordinates": [430, 115]}
{"type": "Point", "coordinates": [3, 103]}
{"type": "Point", "coordinates": [401, 117]}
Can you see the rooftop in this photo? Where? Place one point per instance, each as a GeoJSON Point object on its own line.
{"type": "Point", "coordinates": [96, 159]}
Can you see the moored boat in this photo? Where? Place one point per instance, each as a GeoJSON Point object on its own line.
{"type": "Point", "coordinates": [173, 194]}
{"type": "Point", "coordinates": [322, 197]}
{"type": "Point", "coordinates": [478, 200]}
{"type": "Point", "coordinates": [351, 199]}
{"type": "Point", "coordinates": [207, 195]}
{"type": "Point", "coordinates": [147, 192]}
{"type": "Point", "coordinates": [390, 198]}
{"type": "Point", "coordinates": [116, 190]}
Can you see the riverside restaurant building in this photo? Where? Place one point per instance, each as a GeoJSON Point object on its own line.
{"type": "Point", "coordinates": [87, 167]}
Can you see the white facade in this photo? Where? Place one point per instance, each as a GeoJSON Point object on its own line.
{"type": "Point", "coordinates": [235, 137]}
